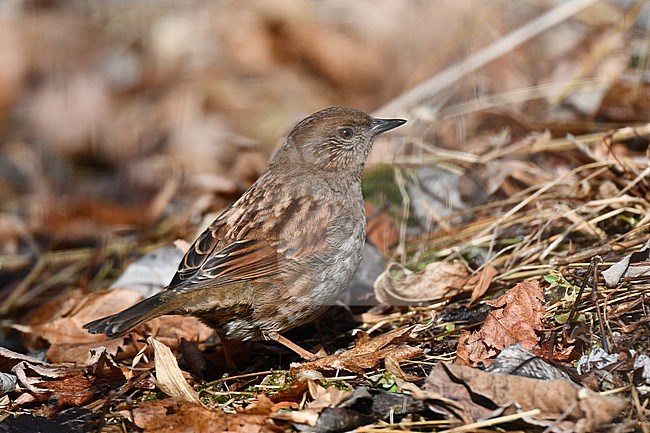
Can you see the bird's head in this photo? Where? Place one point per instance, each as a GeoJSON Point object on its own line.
{"type": "Point", "coordinates": [335, 140]}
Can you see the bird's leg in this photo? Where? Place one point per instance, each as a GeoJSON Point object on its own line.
{"type": "Point", "coordinates": [225, 344]}
{"type": "Point", "coordinates": [275, 336]}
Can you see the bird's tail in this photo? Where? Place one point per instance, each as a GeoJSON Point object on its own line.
{"type": "Point", "coordinates": [124, 321]}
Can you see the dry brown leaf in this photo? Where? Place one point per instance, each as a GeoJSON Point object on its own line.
{"type": "Point", "coordinates": [169, 376]}
{"type": "Point", "coordinates": [63, 386]}
{"type": "Point", "coordinates": [60, 321]}
{"type": "Point", "coordinates": [80, 353]}
{"type": "Point", "coordinates": [366, 353]}
{"type": "Point", "coordinates": [29, 373]}
{"type": "Point", "coordinates": [294, 392]}
{"type": "Point", "coordinates": [437, 281]}
{"type": "Point", "coordinates": [472, 349]}
{"type": "Point", "coordinates": [517, 316]}
{"type": "Point", "coordinates": [73, 389]}
{"type": "Point", "coordinates": [169, 329]}
{"type": "Point", "coordinates": [178, 416]}
{"type": "Point", "coordinates": [325, 397]}
{"type": "Point", "coordinates": [9, 359]}
{"type": "Point", "coordinates": [630, 266]}
{"type": "Point", "coordinates": [586, 410]}
{"type": "Point", "coordinates": [392, 366]}
{"type": "Point", "coordinates": [103, 367]}
{"type": "Point", "coordinates": [304, 416]}
{"type": "Point", "coordinates": [483, 284]}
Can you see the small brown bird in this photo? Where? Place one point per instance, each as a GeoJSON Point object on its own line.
{"type": "Point", "coordinates": [284, 252]}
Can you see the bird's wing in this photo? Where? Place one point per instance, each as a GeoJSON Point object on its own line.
{"type": "Point", "coordinates": [222, 260]}
{"type": "Point", "coordinates": [246, 259]}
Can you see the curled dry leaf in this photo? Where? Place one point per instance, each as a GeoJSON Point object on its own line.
{"type": "Point", "coordinates": [563, 404]}
{"type": "Point", "coordinates": [366, 353]}
{"type": "Point", "coordinates": [9, 358]}
{"type": "Point", "coordinates": [437, 281]}
{"type": "Point", "coordinates": [8, 383]}
{"type": "Point", "coordinates": [62, 385]}
{"type": "Point", "coordinates": [103, 367]}
{"type": "Point", "coordinates": [632, 265]}
{"type": "Point", "coordinates": [520, 362]}
{"type": "Point", "coordinates": [485, 277]}
{"type": "Point", "coordinates": [325, 397]}
{"type": "Point", "coordinates": [169, 376]}
{"type": "Point", "coordinates": [27, 370]}
{"type": "Point", "coordinates": [179, 416]}
{"type": "Point", "coordinates": [516, 317]}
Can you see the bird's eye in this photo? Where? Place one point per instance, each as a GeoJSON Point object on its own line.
{"type": "Point", "coordinates": [346, 133]}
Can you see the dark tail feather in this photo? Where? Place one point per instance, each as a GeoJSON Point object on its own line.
{"type": "Point", "coordinates": [124, 321]}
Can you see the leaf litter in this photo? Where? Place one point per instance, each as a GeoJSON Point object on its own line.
{"type": "Point", "coordinates": [515, 220]}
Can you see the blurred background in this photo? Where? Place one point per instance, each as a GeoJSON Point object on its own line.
{"type": "Point", "coordinates": [116, 115]}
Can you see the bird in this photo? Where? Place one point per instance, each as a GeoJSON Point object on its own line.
{"type": "Point", "coordinates": [284, 252]}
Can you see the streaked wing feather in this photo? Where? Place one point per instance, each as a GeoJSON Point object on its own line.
{"type": "Point", "coordinates": [242, 260]}
{"type": "Point", "coordinates": [239, 260]}
{"type": "Point", "coordinates": [196, 256]}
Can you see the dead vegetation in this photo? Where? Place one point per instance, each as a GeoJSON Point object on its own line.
{"type": "Point", "coordinates": [505, 287]}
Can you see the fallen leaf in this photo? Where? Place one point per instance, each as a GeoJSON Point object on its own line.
{"type": "Point", "coordinates": [29, 372]}
{"type": "Point", "coordinates": [563, 404]}
{"type": "Point", "coordinates": [59, 323]}
{"type": "Point", "coordinates": [520, 362]}
{"type": "Point", "coordinates": [61, 320]}
{"type": "Point", "coordinates": [74, 388]}
{"type": "Point", "coordinates": [517, 315]}
{"type": "Point", "coordinates": [632, 265]}
{"type": "Point", "coordinates": [103, 367]}
{"type": "Point", "coordinates": [325, 397]}
{"type": "Point", "coordinates": [9, 358]}
{"type": "Point", "coordinates": [392, 366]}
{"type": "Point", "coordinates": [62, 385]}
{"type": "Point", "coordinates": [178, 416]}
{"type": "Point", "coordinates": [437, 281]}
{"type": "Point", "coordinates": [366, 353]}
{"type": "Point", "coordinates": [484, 279]}
{"type": "Point", "coordinates": [471, 349]}
{"type": "Point", "coordinates": [169, 376]}
{"type": "Point", "coordinates": [363, 406]}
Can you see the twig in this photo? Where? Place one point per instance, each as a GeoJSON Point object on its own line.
{"type": "Point", "coordinates": [493, 421]}
{"type": "Point", "coordinates": [594, 294]}
{"type": "Point", "coordinates": [574, 308]}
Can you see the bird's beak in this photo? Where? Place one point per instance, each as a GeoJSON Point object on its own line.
{"type": "Point", "coordinates": [383, 125]}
